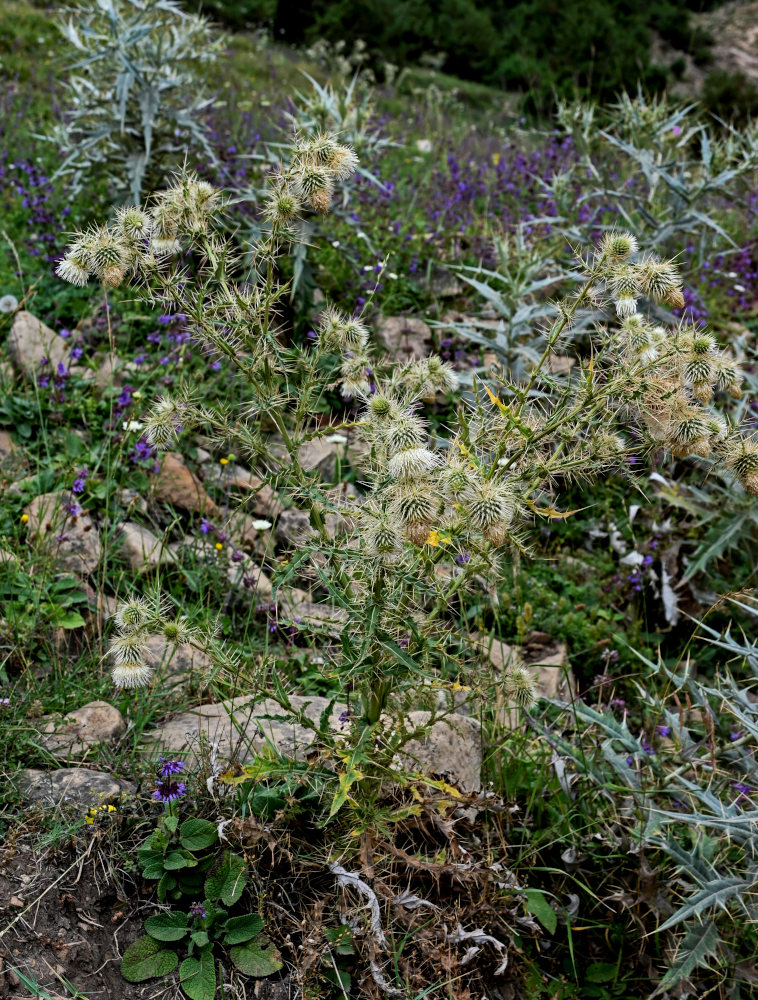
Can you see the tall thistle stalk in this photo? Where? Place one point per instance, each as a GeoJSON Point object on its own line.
{"type": "Point", "coordinates": [433, 519]}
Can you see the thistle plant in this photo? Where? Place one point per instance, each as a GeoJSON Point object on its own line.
{"type": "Point", "coordinates": [134, 100]}
{"type": "Point", "coordinates": [434, 517]}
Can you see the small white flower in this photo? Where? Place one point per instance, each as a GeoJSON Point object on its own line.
{"type": "Point", "coordinates": [261, 525]}
{"type": "Point", "coordinates": [337, 439]}
{"type": "Point", "coordinates": [335, 243]}
{"type": "Point", "coordinates": [132, 425]}
{"type": "Point", "coordinates": [392, 275]}
{"type": "Point", "coordinates": [8, 304]}
{"type": "Point", "coordinates": [368, 267]}
{"type": "Point", "coordinates": [424, 145]}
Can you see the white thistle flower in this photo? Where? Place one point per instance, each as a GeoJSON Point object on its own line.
{"type": "Point", "coordinates": [71, 269]}
{"type": "Point", "coordinates": [131, 675]}
{"type": "Point", "coordinates": [412, 463]}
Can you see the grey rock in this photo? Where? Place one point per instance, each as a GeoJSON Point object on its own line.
{"type": "Point", "coordinates": [30, 341]}
{"type": "Point", "coordinates": [452, 749]}
{"type": "Point", "coordinates": [319, 455]}
{"type": "Point", "coordinates": [75, 539]}
{"type": "Point", "coordinates": [141, 549]}
{"type": "Point", "coordinates": [179, 663]}
{"type": "Point", "coordinates": [93, 723]}
{"type": "Point", "coordinates": [76, 786]}
{"type": "Point", "coordinates": [442, 283]}
{"type": "Point", "coordinates": [404, 336]}
{"type": "Point", "coordinates": [240, 727]}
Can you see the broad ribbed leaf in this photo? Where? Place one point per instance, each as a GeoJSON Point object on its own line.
{"type": "Point", "coordinates": [147, 959]}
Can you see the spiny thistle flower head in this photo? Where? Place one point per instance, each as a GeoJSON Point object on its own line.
{"type": "Point", "coordinates": [407, 431]}
{"type": "Point", "coordinates": [414, 503]}
{"type": "Point", "coordinates": [177, 632]}
{"type": "Point", "coordinates": [382, 533]}
{"type": "Point", "coordinates": [413, 463]}
{"type": "Point", "coordinates": [129, 647]}
{"type": "Point", "coordinates": [660, 281]}
{"type": "Point", "coordinates": [343, 162]}
{"type": "Point", "coordinates": [458, 480]}
{"type": "Point", "coordinates": [382, 407]}
{"type": "Point", "coordinates": [617, 246]}
{"type": "Point", "coordinates": [355, 371]}
{"type": "Point", "coordinates": [162, 424]}
{"type": "Point", "coordinates": [519, 685]}
{"type": "Point", "coordinates": [340, 332]}
{"type": "Point", "coordinates": [131, 674]}
{"type": "Point", "coordinates": [74, 268]}
{"type": "Point", "coordinates": [283, 206]}
{"type": "Point", "coordinates": [742, 459]}
{"type": "Point", "coordinates": [133, 222]}
{"type": "Point", "coordinates": [491, 503]}
{"type": "Point", "coordinates": [132, 615]}
{"type": "Point", "coordinates": [315, 186]}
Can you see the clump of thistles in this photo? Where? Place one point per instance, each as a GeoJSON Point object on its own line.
{"type": "Point", "coordinates": [135, 623]}
{"type": "Point", "coordinates": [140, 237]}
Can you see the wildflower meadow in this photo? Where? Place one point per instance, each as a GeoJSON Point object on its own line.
{"type": "Point", "coordinates": [378, 502]}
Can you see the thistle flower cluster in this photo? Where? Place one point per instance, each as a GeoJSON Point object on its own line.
{"type": "Point", "coordinates": [141, 237]}
{"type": "Point", "coordinates": [627, 279]}
{"type": "Point", "coordinates": [681, 371]}
{"type": "Point", "coordinates": [419, 491]}
{"type": "Point", "coordinates": [129, 651]}
{"type": "Point", "coordinates": [319, 163]}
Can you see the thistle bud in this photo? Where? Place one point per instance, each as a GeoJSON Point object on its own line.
{"type": "Point", "coordinates": [659, 280]}
{"type": "Point", "coordinates": [491, 505]}
{"type": "Point", "coordinates": [133, 222]}
{"type": "Point", "coordinates": [132, 615]}
{"type": "Point", "coordinates": [520, 686]}
{"type": "Point", "coordinates": [407, 432]}
{"type": "Point", "coordinates": [743, 461]}
{"type": "Point", "coordinates": [282, 207]}
{"type": "Point", "coordinates": [342, 162]}
{"type": "Point", "coordinates": [129, 647]}
{"type": "Point", "coordinates": [314, 184]}
{"type": "Point", "coordinates": [617, 246]}
{"type": "Point", "coordinates": [414, 503]}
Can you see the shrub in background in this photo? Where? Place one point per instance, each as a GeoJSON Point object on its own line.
{"type": "Point", "coordinates": [134, 100]}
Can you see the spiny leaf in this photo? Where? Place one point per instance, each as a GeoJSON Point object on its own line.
{"type": "Point", "coordinates": [700, 944]}
{"type": "Point", "coordinates": [715, 893]}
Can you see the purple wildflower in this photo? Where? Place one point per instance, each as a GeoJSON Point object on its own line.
{"type": "Point", "coordinates": [169, 767]}
{"type": "Point", "coordinates": [80, 483]}
{"type": "Point", "coordinates": [198, 910]}
{"type": "Point", "coordinates": [205, 526]}
{"type": "Point", "coordinates": [168, 790]}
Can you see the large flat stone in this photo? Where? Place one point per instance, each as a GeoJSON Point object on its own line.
{"type": "Point", "coordinates": [452, 749]}
{"type": "Point", "coordinates": [75, 786]}
{"type": "Point", "coordinates": [141, 549]}
{"type": "Point", "coordinates": [75, 733]}
{"type": "Point", "coordinates": [240, 728]}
